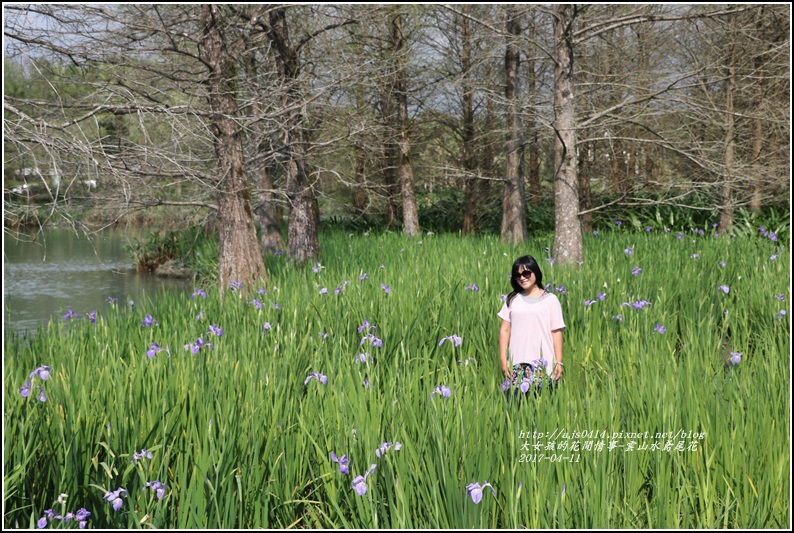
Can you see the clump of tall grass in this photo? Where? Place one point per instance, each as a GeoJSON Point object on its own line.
{"type": "Point", "coordinates": [346, 356]}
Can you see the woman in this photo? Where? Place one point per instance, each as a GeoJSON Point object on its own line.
{"type": "Point", "coordinates": [532, 325]}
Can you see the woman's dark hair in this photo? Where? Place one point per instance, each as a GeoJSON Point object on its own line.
{"type": "Point", "coordinates": [529, 263]}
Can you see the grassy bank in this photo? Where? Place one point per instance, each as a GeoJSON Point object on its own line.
{"type": "Point", "coordinates": [239, 439]}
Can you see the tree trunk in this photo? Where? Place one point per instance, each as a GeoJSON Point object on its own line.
{"type": "Point", "coordinates": [726, 214]}
{"type": "Point", "coordinates": [269, 214]}
{"type": "Point", "coordinates": [567, 230]}
{"type": "Point", "coordinates": [584, 190]}
{"type": "Point", "coordinates": [758, 144]}
{"type": "Point", "coordinates": [267, 211]}
{"type": "Point", "coordinates": [239, 257]}
{"type": "Point", "coordinates": [405, 169]}
{"type": "Point", "coordinates": [514, 223]}
{"type": "Point", "coordinates": [302, 244]}
{"type": "Point", "coordinates": [469, 163]}
{"type": "Point", "coordinates": [532, 127]}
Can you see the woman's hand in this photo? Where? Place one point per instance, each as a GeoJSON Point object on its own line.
{"type": "Point", "coordinates": [505, 370]}
{"type": "Point", "coordinates": [557, 373]}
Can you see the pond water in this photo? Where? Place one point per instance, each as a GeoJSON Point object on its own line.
{"type": "Point", "coordinates": [45, 274]}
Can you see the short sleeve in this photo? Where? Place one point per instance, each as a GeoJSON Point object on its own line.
{"type": "Point", "coordinates": [504, 314]}
{"type": "Point", "coordinates": [556, 315]}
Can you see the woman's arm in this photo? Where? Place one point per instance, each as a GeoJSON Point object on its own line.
{"type": "Point", "coordinates": [504, 341]}
{"type": "Point", "coordinates": [556, 337]}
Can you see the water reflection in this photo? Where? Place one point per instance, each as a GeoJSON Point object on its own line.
{"type": "Point", "coordinates": [62, 269]}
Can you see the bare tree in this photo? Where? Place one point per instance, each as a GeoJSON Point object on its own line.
{"type": "Point", "coordinates": [514, 223]}
{"type": "Point", "coordinates": [240, 259]}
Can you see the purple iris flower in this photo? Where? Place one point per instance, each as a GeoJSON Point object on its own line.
{"type": "Point", "coordinates": [82, 517]}
{"type": "Point", "coordinates": [42, 395]}
{"type": "Point", "coordinates": [323, 335]}
{"type": "Point", "coordinates": [588, 303]}
{"type": "Point", "coordinates": [472, 287]}
{"type": "Point", "coordinates": [111, 300]}
{"type": "Point", "coordinates": [452, 338]}
{"type": "Point", "coordinates": [660, 328]}
{"type": "Point", "coordinates": [323, 291]}
{"type": "Point", "coordinates": [639, 304]}
{"type": "Point", "coordinates": [360, 482]}
{"type": "Point", "coordinates": [443, 390]}
{"type": "Point", "coordinates": [780, 315]}
{"type": "Point", "coordinates": [648, 229]}
{"type": "Point", "coordinates": [667, 230]}
{"type": "Point", "coordinates": [636, 271]}
{"type": "Point", "coordinates": [143, 454]}
{"type": "Point", "coordinates": [256, 303]}
{"type": "Point", "coordinates": [562, 290]}
{"type": "Point", "coordinates": [322, 378]}
{"type": "Point", "coordinates": [158, 487]}
{"type": "Point", "coordinates": [618, 223]}
{"type": "Point", "coordinates": [343, 463]}
{"type": "Point", "coordinates": [376, 342]}
{"type": "Point", "coordinates": [386, 446]}
{"type": "Point", "coordinates": [385, 288]}
{"type": "Point", "coordinates": [149, 321]}
{"type": "Point", "coordinates": [772, 236]}
{"type": "Point", "coordinates": [366, 383]}
{"type": "Point", "coordinates": [506, 384]}
{"type": "Point", "coordinates": [153, 350]}
{"type": "Point", "coordinates": [628, 251]}
{"type": "Point", "coordinates": [773, 257]}
{"type": "Point", "coordinates": [618, 318]}
{"type": "Point", "coordinates": [200, 316]}
{"type": "Point", "coordinates": [43, 372]}
{"type": "Point", "coordinates": [781, 297]}
{"type": "Point", "coordinates": [474, 490]}
{"type": "Point", "coordinates": [215, 330]}
{"type": "Point", "coordinates": [595, 233]}
{"type": "Point", "coordinates": [362, 277]}
{"type": "Point", "coordinates": [262, 291]}
{"type": "Point", "coordinates": [235, 285]}
{"type": "Point", "coordinates": [362, 358]}
{"type": "Point", "coordinates": [680, 236]}
{"type": "Point", "coordinates": [199, 292]}
{"type": "Point", "coordinates": [601, 296]}
{"type": "Point", "coordinates": [724, 288]}
{"type": "Point", "coordinates": [695, 256]}
{"type": "Point", "coordinates": [114, 497]}
{"type": "Point", "coordinates": [503, 297]}
{"type": "Point", "coordinates": [25, 389]}
{"type": "Point", "coordinates": [722, 264]}
{"type": "Point", "coordinates": [736, 358]}
{"type": "Point", "coordinates": [42, 523]}
{"type": "Point", "coordinates": [276, 306]}
{"type": "Point", "coordinates": [199, 344]}
{"type": "Point", "coordinates": [366, 326]}
{"type": "Point", "coordinates": [70, 314]}
{"type": "Point", "coordinates": [267, 326]}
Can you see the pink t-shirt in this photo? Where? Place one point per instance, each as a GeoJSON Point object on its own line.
{"type": "Point", "coordinates": [531, 325]}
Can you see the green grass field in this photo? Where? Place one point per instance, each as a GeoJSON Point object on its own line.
{"type": "Point", "coordinates": [238, 440]}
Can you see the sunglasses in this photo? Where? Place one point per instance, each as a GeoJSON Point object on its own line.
{"type": "Point", "coordinates": [524, 274]}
